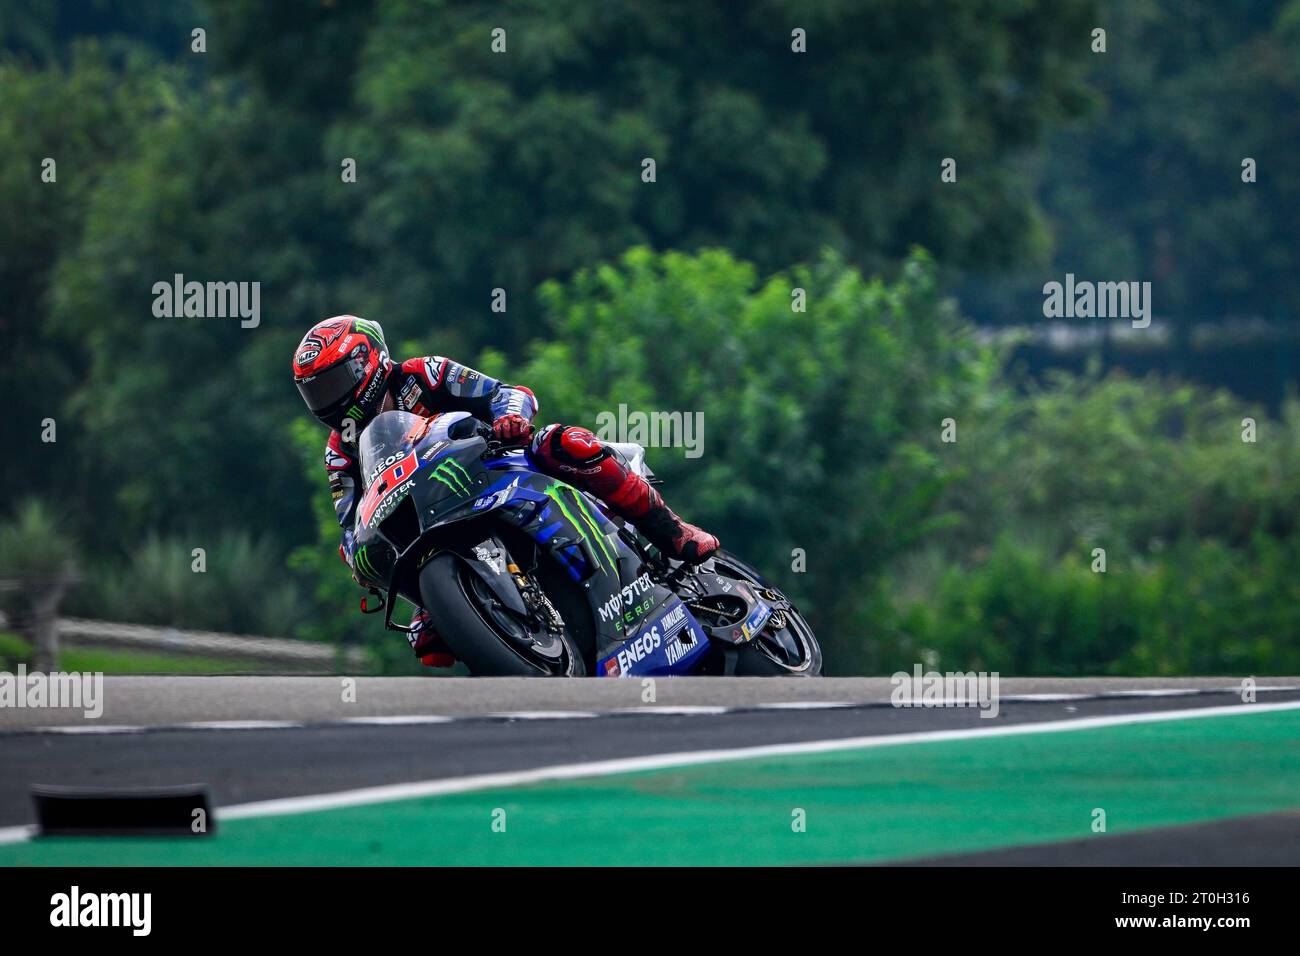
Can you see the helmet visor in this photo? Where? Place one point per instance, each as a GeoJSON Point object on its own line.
{"type": "Point", "coordinates": [332, 386]}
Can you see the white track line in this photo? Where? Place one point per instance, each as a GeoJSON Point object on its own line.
{"type": "Point", "coordinates": [85, 729]}
{"type": "Point", "coordinates": [685, 710]}
{"type": "Point", "coordinates": [602, 768]}
{"type": "Point", "coordinates": [17, 834]}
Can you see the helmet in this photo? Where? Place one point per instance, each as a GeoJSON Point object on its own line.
{"type": "Point", "coordinates": [341, 368]}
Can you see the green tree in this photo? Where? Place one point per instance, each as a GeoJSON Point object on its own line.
{"type": "Point", "coordinates": [1149, 186]}
{"type": "Point", "coordinates": [480, 169]}
{"type": "Point", "coordinates": [37, 565]}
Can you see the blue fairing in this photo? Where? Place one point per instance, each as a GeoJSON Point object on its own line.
{"type": "Point", "coordinates": [669, 641]}
{"type": "Point", "coordinates": [672, 643]}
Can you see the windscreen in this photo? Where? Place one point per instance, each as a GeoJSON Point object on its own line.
{"type": "Point", "coordinates": [382, 439]}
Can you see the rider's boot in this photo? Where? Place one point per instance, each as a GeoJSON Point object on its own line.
{"type": "Point", "coordinates": [427, 643]}
{"type": "Point", "coordinates": [669, 533]}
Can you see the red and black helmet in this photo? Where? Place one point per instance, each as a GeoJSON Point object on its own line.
{"type": "Point", "coordinates": [341, 368]}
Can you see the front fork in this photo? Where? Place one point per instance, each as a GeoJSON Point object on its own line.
{"type": "Point", "coordinates": [491, 562]}
{"type": "Point", "coordinates": [535, 600]}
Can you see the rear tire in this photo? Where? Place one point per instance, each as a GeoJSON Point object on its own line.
{"type": "Point", "coordinates": [764, 657]}
{"type": "Point", "coordinates": [449, 598]}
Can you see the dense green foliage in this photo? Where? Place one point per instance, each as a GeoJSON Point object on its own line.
{"type": "Point", "coordinates": [522, 170]}
{"type": "Point", "coordinates": [1201, 533]}
{"type": "Point", "coordinates": [1149, 186]}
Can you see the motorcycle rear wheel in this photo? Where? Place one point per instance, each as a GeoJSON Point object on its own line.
{"type": "Point", "coordinates": [792, 651]}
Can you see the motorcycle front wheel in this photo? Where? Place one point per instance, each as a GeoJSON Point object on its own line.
{"type": "Point", "coordinates": [488, 639]}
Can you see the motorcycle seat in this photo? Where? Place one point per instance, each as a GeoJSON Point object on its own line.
{"type": "Point", "coordinates": [632, 457]}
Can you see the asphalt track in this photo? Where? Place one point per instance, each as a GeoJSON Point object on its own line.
{"type": "Point", "coordinates": [158, 701]}
{"type": "Point", "coordinates": [255, 739]}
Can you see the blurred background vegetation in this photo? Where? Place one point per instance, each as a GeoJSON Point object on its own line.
{"type": "Point", "coordinates": [775, 170]}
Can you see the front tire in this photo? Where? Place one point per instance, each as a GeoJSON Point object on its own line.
{"type": "Point", "coordinates": [455, 602]}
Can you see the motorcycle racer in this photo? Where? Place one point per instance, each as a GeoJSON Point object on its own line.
{"type": "Point", "coordinates": [343, 371]}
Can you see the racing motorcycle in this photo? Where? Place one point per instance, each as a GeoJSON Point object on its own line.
{"type": "Point", "coordinates": [524, 575]}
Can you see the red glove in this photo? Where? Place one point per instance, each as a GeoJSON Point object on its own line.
{"type": "Point", "coordinates": [512, 430]}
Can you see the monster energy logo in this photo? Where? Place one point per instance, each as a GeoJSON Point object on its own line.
{"type": "Point", "coordinates": [354, 413]}
{"type": "Point", "coordinates": [362, 560]}
{"type": "Point", "coordinates": [370, 329]}
{"type": "Point", "coordinates": [586, 520]}
{"type": "Point", "coordinates": [451, 474]}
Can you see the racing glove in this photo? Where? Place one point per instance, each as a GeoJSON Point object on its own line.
{"type": "Point", "coordinates": [512, 430]}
